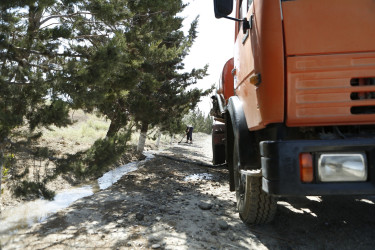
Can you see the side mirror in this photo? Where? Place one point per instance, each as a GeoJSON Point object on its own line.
{"type": "Point", "coordinates": [223, 8]}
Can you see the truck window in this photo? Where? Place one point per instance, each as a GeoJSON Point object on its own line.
{"type": "Point", "coordinates": [244, 7]}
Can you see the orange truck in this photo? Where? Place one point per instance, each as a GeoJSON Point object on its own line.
{"type": "Point", "coordinates": [298, 101]}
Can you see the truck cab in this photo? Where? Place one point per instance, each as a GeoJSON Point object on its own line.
{"type": "Point", "coordinates": [300, 118]}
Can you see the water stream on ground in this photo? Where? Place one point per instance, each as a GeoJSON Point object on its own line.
{"type": "Point", "coordinates": [29, 213]}
{"type": "Point", "coordinates": [195, 177]}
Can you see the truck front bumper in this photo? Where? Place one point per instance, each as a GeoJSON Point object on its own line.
{"type": "Point", "coordinates": [281, 171]}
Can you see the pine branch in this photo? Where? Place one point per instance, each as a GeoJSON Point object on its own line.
{"type": "Point", "coordinates": [89, 36]}
{"type": "Point", "coordinates": [16, 83]}
{"type": "Point", "coordinates": [61, 16]}
{"type": "Point", "coordinates": [151, 14]}
{"type": "Point", "coordinates": [50, 25]}
{"type": "Point", "coordinates": [44, 53]}
{"type": "Point", "coordinates": [45, 67]}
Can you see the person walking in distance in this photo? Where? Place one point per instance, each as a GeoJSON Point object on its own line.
{"type": "Point", "coordinates": [189, 134]}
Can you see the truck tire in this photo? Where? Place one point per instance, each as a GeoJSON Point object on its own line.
{"type": "Point", "coordinates": [218, 144]}
{"type": "Point", "coordinates": [218, 154]}
{"type": "Point", "coordinates": [254, 205]}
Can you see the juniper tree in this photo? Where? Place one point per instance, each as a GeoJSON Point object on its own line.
{"type": "Point", "coordinates": [164, 91]}
{"type": "Point", "coordinates": [59, 54]}
{"type": "Point", "coordinates": [30, 65]}
{"type": "Point", "coordinates": [142, 56]}
{"type": "Point", "coordinates": [136, 69]}
{"type": "Point", "coordinates": [101, 82]}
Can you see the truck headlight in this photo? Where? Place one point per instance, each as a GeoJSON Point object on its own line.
{"type": "Point", "coordinates": [340, 167]}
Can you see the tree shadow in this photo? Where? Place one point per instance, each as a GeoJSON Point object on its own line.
{"type": "Point", "coordinates": [147, 207]}
{"type": "Point", "coordinates": [158, 206]}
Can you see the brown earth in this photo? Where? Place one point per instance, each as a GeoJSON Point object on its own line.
{"type": "Point", "coordinates": [157, 206]}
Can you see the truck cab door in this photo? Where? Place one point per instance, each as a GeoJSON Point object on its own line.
{"type": "Point", "coordinates": [245, 62]}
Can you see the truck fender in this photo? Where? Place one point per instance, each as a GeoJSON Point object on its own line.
{"type": "Point", "coordinates": [241, 134]}
{"type": "Point", "coordinates": [248, 147]}
{"type": "Point", "coordinates": [220, 102]}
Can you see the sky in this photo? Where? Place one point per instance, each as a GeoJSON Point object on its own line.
{"type": "Point", "coordinates": [213, 46]}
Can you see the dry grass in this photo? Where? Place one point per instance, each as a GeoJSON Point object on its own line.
{"type": "Point", "coordinates": [86, 129]}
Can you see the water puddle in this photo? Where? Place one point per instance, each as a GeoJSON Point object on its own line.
{"type": "Point", "coordinates": [196, 177]}
{"type": "Point", "coordinates": [29, 213]}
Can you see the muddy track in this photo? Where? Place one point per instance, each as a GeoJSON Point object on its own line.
{"type": "Point", "coordinates": [169, 204]}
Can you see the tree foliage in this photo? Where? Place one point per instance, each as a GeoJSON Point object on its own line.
{"type": "Point", "coordinates": [164, 93]}
{"type": "Point", "coordinates": [30, 65]}
{"type": "Point", "coordinates": [122, 59]}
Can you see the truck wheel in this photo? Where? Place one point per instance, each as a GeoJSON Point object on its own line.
{"type": "Point", "coordinates": [218, 154]}
{"type": "Point", "coordinates": [218, 144]}
{"type": "Point", "coordinates": [254, 205]}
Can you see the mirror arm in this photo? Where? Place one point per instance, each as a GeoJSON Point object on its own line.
{"type": "Point", "coordinates": [234, 19]}
{"type": "Point", "coordinates": [245, 24]}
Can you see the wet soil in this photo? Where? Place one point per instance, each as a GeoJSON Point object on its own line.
{"type": "Point", "coordinates": [173, 204]}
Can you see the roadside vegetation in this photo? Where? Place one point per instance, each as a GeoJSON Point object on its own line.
{"type": "Point", "coordinates": [201, 122]}
{"type": "Point", "coordinates": [79, 78]}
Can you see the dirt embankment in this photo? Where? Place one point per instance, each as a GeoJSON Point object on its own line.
{"type": "Point", "coordinates": [168, 204]}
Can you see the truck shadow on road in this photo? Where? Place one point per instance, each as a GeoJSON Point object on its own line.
{"type": "Point", "coordinates": [321, 223]}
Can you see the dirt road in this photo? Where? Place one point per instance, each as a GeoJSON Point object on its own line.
{"type": "Point", "coordinates": [168, 204]}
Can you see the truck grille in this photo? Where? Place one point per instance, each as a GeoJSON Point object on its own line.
{"type": "Point", "coordinates": [331, 90]}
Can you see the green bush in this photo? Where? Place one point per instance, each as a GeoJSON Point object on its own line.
{"type": "Point", "coordinates": [29, 188]}
{"type": "Point", "coordinates": [97, 159]}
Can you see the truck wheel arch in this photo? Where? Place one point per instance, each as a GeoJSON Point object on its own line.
{"type": "Point", "coordinates": [238, 132]}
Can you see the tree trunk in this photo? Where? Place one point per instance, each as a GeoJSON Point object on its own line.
{"type": "Point", "coordinates": [158, 140]}
{"type": "Point", "coordinates": [142, 137]}
{"type": "Point", "coordinates": [1, 171]}
{"type": "Point", "coordinates": [113, 129]}
{"type": "Point", "coordinates": [172, 138]}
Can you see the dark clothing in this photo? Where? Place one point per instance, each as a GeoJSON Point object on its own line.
{"type": "Point", "coordinates": [189, 134]}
